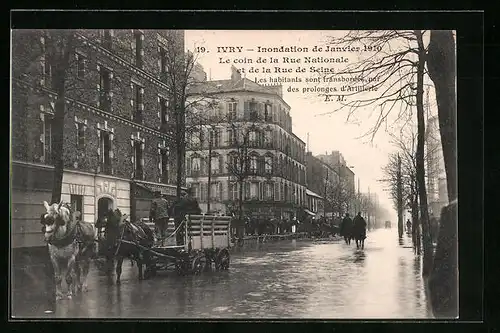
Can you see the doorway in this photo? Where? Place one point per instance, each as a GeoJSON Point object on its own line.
{"type": "Point", "coordinates": [103, 206]}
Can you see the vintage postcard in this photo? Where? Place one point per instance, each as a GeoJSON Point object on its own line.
{"type": "Point", "coordinates": [241, 174]}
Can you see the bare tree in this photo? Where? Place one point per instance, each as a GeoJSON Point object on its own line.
{"type": "Point", "coordinates": [390, 78]}
{"type": "Point", "coordinates": [245, 136]}
{"type": "Point", "coordinates": [442, 70]}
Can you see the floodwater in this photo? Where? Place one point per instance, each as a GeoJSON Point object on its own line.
{"type": "Point", "coordinates": [288, 279]}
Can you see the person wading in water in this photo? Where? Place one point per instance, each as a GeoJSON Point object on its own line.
{"type": "Point", "coordinates": [159, 215]}
{"type": "Point", "coordinates": [346, 229]}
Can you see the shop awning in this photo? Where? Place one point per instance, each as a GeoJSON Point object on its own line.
{"type": "Point", "coordinates": [309, 212]}
{"type": "Point", "coordinates": [312, 194]}
{"type": "Point", "coordinates": [169, 190]}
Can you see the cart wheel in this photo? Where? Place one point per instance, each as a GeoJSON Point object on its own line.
{"type": "Point", "coordinates": [199, 264]}
{"type": "Point", "coordinates": [223, 259]}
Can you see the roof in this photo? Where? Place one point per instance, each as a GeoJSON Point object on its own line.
{"type": "Point", "coordinates": [163, 188]}
{"type": "Point", "coordinates": [312, 194]}
{"type": "Point", "coordinates": [225, 86]}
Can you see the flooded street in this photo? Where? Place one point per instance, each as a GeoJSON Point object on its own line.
{"type": "Point", "coordinates": [289, 279]}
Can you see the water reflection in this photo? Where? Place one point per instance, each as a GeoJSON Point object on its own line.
{"type": "Point", "coordinates": [295, 279]}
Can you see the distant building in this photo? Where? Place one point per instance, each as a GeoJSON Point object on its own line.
{"type": "Point", "coordinates": [337, 162]}
{"type": "Point", "coordinates": [320, 177]}
{"type": "Point", "coordinates": [276, 185]}
{"type": "Point", "coordinates": [314, 204]}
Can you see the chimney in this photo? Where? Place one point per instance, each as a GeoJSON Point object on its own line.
{"type": "Point", "coordinates": [235, 74]}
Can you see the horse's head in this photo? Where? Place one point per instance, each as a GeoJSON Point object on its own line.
{"type": "Point", "coordinates": [57, 216]}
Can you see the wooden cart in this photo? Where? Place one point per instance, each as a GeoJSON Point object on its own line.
{"type": "Point", "coordinates": [206, 246]}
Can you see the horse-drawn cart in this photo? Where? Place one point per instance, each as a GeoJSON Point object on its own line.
{"type": "Point", "coordinates": [206, 245]}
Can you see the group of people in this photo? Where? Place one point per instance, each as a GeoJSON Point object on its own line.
{"type": "Point", "coordinates": [161, 212]}
{"type": "Point", "coordinates": [353, 229]}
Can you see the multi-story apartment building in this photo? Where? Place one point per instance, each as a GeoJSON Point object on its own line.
{"type": "Point", "coordinates": [117, 148]}
{"type": "Point", "coordinates": [321, 177]}
{"type": "Point", "coordinates": [253, 120]}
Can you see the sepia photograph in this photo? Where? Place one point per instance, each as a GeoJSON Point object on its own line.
{"type": "Point", "coordinates": [233, 174]}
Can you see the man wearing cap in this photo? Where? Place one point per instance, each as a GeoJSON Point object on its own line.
{"type": "Point", "coordinates": [159, 215]}
{"type": "Point", "coordinates": [187, 204]}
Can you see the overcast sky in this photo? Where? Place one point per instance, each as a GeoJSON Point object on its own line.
{"type": "Point", "coordinates": [326, 133]}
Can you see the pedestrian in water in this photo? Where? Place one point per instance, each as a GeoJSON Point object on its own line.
{"type": "Point", "coordinates": [408, 226]}
{"type": "Point", "coordinates": [359, 230]}
{"type": "Point", "coordinates": [159, 215]}
{"type": "Point", "coordinates": [346, 229]}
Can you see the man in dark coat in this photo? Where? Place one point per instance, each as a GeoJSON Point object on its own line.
{"type": "Point", "coordinates": [346, 229]}
{"type": "Point", "coordinates": [359, 229]}
{"type": "Point", "coordinates": [159, 215]}
{"type": "Point", "coordinates": [187, 204]}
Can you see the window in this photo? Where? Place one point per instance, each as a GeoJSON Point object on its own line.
{"type": "Point", "coordinates": [164, 165]}
{"type": "Point", "coordinates": [137, 103]}
{"type": "Point", "coordinates": [214, 165]}
{"type": "Point", "coordinates": [77, 203]}
{"type": "Point", "coordinates": [163, 60]}
{"type": "Point", "coordinates": [164, 111]}
{"type": "Point", "coordinates": [253, 111]}
{"type": "Point", "coordinates": [80, 65]}
{"type": "Point", "coordinates": [232, 136]}
{"type": "Point", "coordinates": [214, 191]}
{"type": "Point", "coordinates": [267, 112]}
{"type": "Point", "coordinates": [232, 107]}
{"type": "Point", "coordinates": [268, 191]}
{"type": "Point", "coordinates": [139, 52]}
{"type": "Point", "coordinates": [233, 191]}
{"type": "Point", "coordinates": [254, 190]}
{"type": "Point", "coordinates": [196, 138]}
{"type": "Point", "coordinates": [80, 135]}
{"type": "Point", "coordinates": [196, 191]}
{"type": "Point", "coordinates": [105, 89]}
{"type": "Point", "coordinates": [253, 164]}
{"type": "Point", "coordinates": [252, 136]}
{"type": "Point", "coordinates": [138, 159]}
{"type": "Point", "coordinates": [214, 138]}
{"type": "Point", "coordinates": [268, 164]}
{"type": "Point", "coordinates": [267, 138]}
{"type": "Point", "coordinates": [106, 152]}
{"type": "Point", "coordinates": [195, 164]}
{"type": "Point", "coordinates": [233, 162]}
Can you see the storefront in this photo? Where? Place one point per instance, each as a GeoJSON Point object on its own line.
{"type": "Point", "coordinates": [142, 193]}
{"type": "Point", "coordinates": [94, 194]}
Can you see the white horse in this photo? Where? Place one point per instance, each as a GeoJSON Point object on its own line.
{"type": "Point", "coordinates": [71, 246]}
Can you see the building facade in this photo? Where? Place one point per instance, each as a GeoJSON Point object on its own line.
{"type": "Point", "coordinates": [251, 124]}
{"type": "Point", "coordinates": [321, 177]}
{"type": "Point", "coordinates": [117, 148]}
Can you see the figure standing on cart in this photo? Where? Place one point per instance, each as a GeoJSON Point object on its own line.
{"type": "Point", "coordinates": [159, 215]}
{"type": "Point", "coordinates": [187, 204]}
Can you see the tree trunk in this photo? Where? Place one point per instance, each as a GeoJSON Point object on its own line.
{"type": "Point", "coordinates": [422, 191]}
{"type": "Point", "coordinates": [181, 146]}
{"type": "Point", "coordinates": [58, 136]}
{"type": "Point", "coordinates": [400, 200]}
{"type": "Point", "coordinates": [240, 209]}
{"type": "Point", "coordinates": [443, 283]}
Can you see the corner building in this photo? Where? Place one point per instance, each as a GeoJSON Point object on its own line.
{"type": "Point", "coordinates": [275, 187]}
{"type": "Point", "coordinates": [117, 145]}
